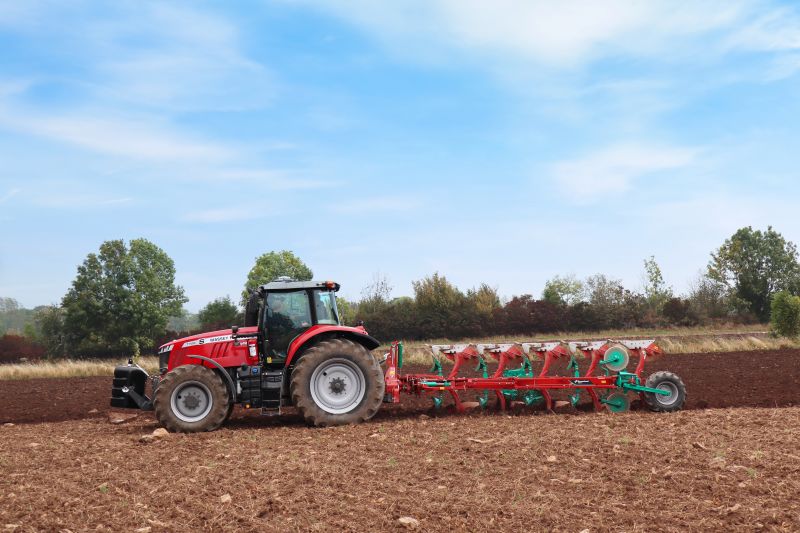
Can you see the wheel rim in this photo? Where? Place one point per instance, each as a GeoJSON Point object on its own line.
{"type": "Point", "coordinates": [337, 386]}
{"type": "Point", "coordinates": [665, 399]}
{"type": "Point", "coordinates": [191, 401]}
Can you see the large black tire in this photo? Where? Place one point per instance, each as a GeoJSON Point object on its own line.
{"type": "Point", "coordinates": [337, 382]}
{"type": "Point", "coordinates": [666, 381]}
{"type": "Point", "coordinates": [192, 398]}
{"type": "Point", "coordinates": [228, 412]}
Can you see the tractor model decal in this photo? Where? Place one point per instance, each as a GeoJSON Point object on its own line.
{"type": "Point", "coordinates": [211, 340]}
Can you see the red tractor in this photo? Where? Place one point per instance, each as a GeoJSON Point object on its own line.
{"type": "Point", "coordinates": [292, 350]}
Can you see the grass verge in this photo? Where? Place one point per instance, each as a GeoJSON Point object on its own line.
{"type": "Point", "coordinates": [69, 368]}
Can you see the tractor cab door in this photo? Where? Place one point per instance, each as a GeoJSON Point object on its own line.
{"type": "Point", "coordinates": [287, 315]}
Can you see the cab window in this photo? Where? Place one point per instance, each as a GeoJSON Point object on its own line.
{"type": "Point", "coordinates": [287, 315]}
{"type": "Point", "coordinates": [325, 307]}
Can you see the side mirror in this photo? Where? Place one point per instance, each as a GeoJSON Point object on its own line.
{"type": "Point", "coordinates": [234, 331]}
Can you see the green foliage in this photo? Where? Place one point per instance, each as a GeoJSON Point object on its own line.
{"type": "Point", "coordinates": [439, 306]}
{"type": "Point", "coordinates": [50, 323]}
{"type": "Point", "coordinates": [754, 265]}
{"type": "Point", "coordinates": [272, 265]}
{"type": "Point", "coordinates": [656, 292]}
{"type": "Point", "coordinates": [785, 320]}
{"type": "Point", "coordinates": [121, 299]}
{"type": "Point", "coordinates": [564, 290]}
{"type": "Point", "coordinates": [220, 313]}
{"type": "Point", "coordinates": [347, 311]}
{"type": "Point", "coordinates": [709, 299]}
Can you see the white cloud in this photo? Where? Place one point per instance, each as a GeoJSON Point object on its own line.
{"type": "Point", "coordinates": [139, 138]}
{"type": "Point", "coordinates": [563, 33]}
{"type": "Point", "coordinates": [569, 33]}
{"type": "Point", "coordinates": [613, 170]}
{"type": "Point", "coordinates": [190, 60]}
{"type": "Point", "coordinates": [149, 53]}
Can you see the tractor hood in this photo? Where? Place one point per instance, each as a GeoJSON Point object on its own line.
{"type": "Point", "coordinates": [208, 337]}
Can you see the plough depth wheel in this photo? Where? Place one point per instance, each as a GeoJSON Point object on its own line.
{"type": "Point", "coordinates": [670, 383]}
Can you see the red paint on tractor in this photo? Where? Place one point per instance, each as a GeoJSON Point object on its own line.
{"type": "Point", "coordinates": [217, 345]}
{"type": "Point", "coordinates": [358, 332]}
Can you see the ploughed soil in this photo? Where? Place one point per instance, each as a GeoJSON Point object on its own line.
{"type": "Point", "coordinates": [769, 378]}
{"type": "Point", "coordinates": [69, 463]}
{"type": "Point", "coordinates": [700, 470]}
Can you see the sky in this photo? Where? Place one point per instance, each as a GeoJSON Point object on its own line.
{"type": "Point", "coordinates": [501, 142]}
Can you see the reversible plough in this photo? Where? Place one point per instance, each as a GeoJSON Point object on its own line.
{"type": "Point", "coordinates": [514, 379]}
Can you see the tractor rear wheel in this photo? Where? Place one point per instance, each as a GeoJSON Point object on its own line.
{"type": "Point", "coordinates": [672, 385]}
{"type": "Point", "coordinates": [192, 398]}
{"type": "Point", "coordinates": [337, 382]}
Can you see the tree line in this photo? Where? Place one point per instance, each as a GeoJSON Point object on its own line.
{"type": "Point", "coordinates": [124, 298]}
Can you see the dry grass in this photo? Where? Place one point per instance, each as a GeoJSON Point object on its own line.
{"type": "Point", "coordinates": [670, 341]}
{"type": "Point", "coordinates": [70, 368]}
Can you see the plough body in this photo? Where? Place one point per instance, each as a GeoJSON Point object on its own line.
{"type": "Point", "coordinates": [514, 380]}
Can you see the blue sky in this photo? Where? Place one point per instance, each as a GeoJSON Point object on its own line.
{"type": "Point", "coordinates": [502, 141]}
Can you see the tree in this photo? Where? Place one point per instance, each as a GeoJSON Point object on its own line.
{"type": "Point", "coordinates": [50, 323]}
{"type": "Point", "coordinates": [121, 299]}
{"type": "Point", "coordinates": [566, 290]}
{"type": "Point", "coordinates": [218, 314]}
{"type": "Point", "coordinates": [347, 311]}
{"type": "Point", "coordinates": [440, 307]}
{"type": "Point", "coordinates": [708, 298]}
{"type": "Point", "coordinates": [785, 319]}
{"type": "Point", "coordinates": [754, 265]}
{"type": "Point", "coordinates": [273, 265]}
{"type": "Point", "coordinates": [656, 292]}
{"type": "Point", "coordinates": [375, 295]}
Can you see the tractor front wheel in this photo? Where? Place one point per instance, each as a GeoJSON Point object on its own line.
{"type": "Point", "coordinates": [337, 382]}
{"type": "Point", "coordinates": [192, 398]}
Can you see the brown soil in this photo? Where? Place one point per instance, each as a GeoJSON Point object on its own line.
{"type": "Point", "coordinates": [769, 378]}
{"type": "Point", "coordinates": [713, 469]}
{"type": "Point", "coordinates": [699, 470]}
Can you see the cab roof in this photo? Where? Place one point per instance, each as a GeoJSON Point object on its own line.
{"type": "Point", "coordinates": [294, 285]}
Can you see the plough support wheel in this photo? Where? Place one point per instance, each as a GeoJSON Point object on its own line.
{"type": "Point", "coordinates": [674, 395]}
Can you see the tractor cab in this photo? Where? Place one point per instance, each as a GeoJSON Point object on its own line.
{"type": "Point", "coordinates": [285, 309]}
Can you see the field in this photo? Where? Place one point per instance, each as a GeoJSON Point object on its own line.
{"type": "Point", "coordinates": [729, 462]}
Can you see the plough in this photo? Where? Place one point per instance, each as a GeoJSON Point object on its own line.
{"type": "Point", "coordinates": [514, 379]}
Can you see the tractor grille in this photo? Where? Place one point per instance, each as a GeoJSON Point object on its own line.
{"type": "Point", "coordinates": [163, 361]}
